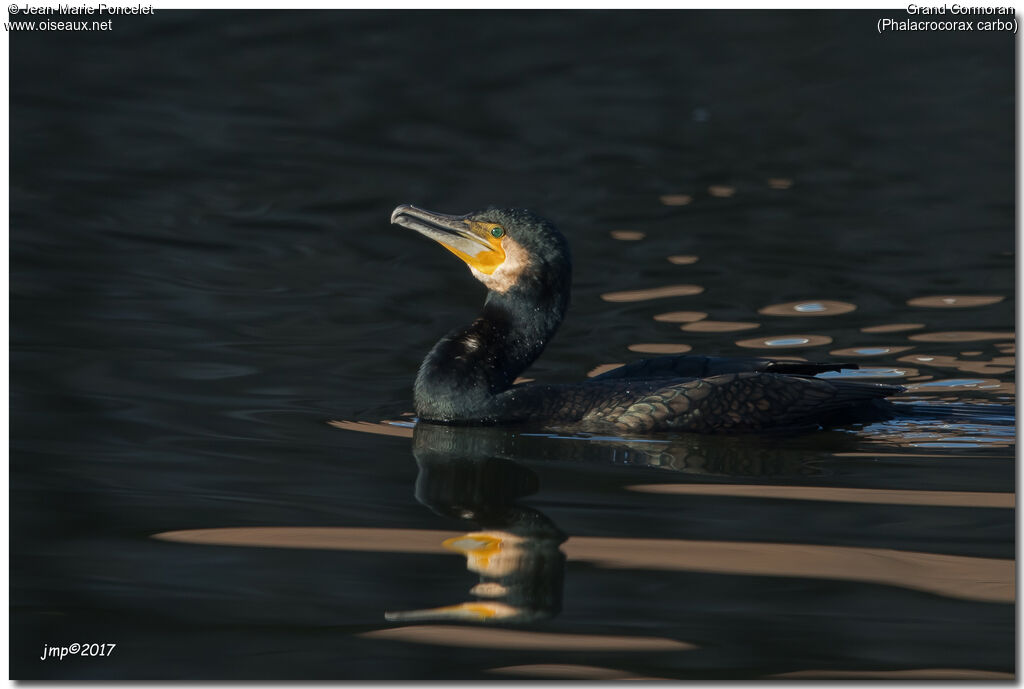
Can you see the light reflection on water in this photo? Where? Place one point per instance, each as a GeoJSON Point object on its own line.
{"type": "Point", "coordinates": [892, 328]}
{"type": "Point", "coordinates": [821, 307]}
{"type": "Point", "coordinates": [868, 351]}
{"type": "Point", "coordinates": [524, 560]}
{"type": "Point", "coordinates": [708, 326]}
{"type": "Point", "coordinates": [785, 341]}
{"type": "Point", "coordinates": [871, 372]}
{"type": "Point", "coordinates": [954, 301]}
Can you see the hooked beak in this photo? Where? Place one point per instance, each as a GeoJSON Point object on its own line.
{"type": "Point", "coordinates": [470, 240]}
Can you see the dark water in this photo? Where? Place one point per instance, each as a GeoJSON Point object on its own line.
{"type": "Point", "coordinates": [203, 276]}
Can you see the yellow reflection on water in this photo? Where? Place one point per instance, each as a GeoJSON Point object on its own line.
{"type": "Point", "coordinates": [489, 589]}
{"type": "Point", "coordinates": [682, 260]}
{"type": "Point", "coordinates": [496, 553]}
{"type": "Point", "coordinates": [957, 576]}
{"type": "Point", "coordinates": [675, 199]}
{"type": "Point", "coordinates": [602, 368]}
{"type": "Point", "coordinates": [721, 191]}
{"type": "Point", "coordinates": [492, 637]}
{"type": "Point", "coordinates": [779, 183]}
{"type": "Point", "coordinates": [892, 328]}
{"type": "Point", "coordinates": [472, 611]}
{"type": "Point", "coordinates": [954, 301]}
{"type": "Point", "coordinates": [367, 539]}
{"type": "Point", "coordinates": [718, 326]}
{"type": "Point", "coordinates": [653, 293]}
{"type": "Point", "coordinates": [659, 348]}
{"type": "Point", "coordinates": [680, 316]}
{"type": "Point", "coordinates": [975, 578]}
{"type": "Point", "coordinates": [382, 428]}
{"type": "Point", "coordinates": [564, 671]}
{"type": "Point", "coordinates": [523, 569]}
{"type": "Point", "coordinates": [962, 336]}
{"type": "Point", "coordinates": [938, 498]}
{"type": "Point", "coordinates": [627, 235]}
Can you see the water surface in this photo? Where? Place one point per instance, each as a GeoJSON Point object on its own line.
{"type": "Point", "coordinates": [203, 278]}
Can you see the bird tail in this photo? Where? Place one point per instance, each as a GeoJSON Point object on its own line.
{"type": "Point", "coordinates": [850, 391]}
{"type": "Point", "coordinates": [858, 402]}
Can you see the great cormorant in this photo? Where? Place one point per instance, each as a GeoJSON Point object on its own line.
{"type": "Point", "coordinates": [524, 261]}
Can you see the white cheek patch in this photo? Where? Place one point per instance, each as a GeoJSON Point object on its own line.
{"type": "Point", "coordinates": [508, 273]}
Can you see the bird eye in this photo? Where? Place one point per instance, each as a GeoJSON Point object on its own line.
{"type": "Point", "coordinates": [497, 233]}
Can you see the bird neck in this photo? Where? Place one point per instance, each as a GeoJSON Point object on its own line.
{"type": "Point", "coordinates": [463, 373]}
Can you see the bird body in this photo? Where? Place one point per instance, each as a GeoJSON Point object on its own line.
{"type": "Point", "coordinates": [468, 377]}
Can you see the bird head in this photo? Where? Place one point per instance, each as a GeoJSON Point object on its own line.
{"type": "Point", "coordinates": [507, 249]}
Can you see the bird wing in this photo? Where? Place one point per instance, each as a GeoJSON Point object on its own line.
{"type": "Point", "coordinates": [746, 402]}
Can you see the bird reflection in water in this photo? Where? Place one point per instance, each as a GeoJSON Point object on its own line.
{"type": "Point", "coordinates": [472, 474]}
{"type": "Point", "coordinates": [515, 549]}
